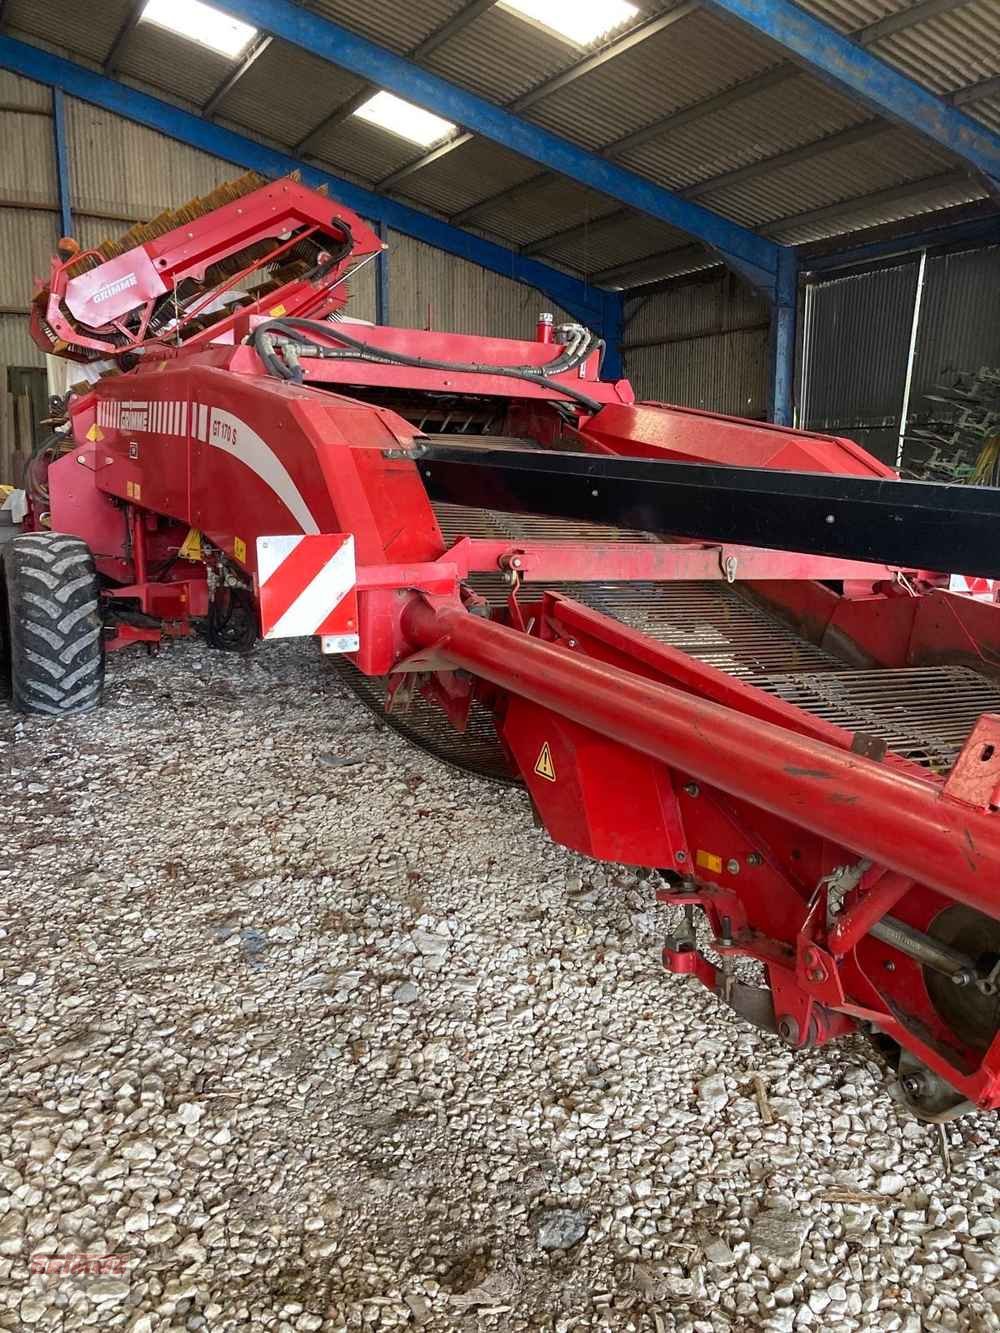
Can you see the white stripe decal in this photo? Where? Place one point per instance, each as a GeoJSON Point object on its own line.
{"type": "Point", "coordinates": [327, 590]}
{"type": "Point", "coordinates": [184, 418]}
{"type": "Point", "coordinates": [272, 552]}
{"type": "Point", "coordinates": [235, 437]}
{"type": "Point", "coordinates": [203, 422]}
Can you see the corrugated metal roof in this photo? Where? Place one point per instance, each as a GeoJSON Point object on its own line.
{"type": "Point", "coordinates": [988, 111]}
{"type": "Point", "coordinates": [195, 71]}
{"type": "Point", "coordinates": [606, 246]}
{"type": "Point", "coordinates": [703, 55]}
{"type": "Point", "coordinates": [310, 89]}
{"type": "Point", "coordinates": [364, 149]}
{"type": "Point", "coordinates": [475, 170]}
{"type": "Point", "coordinates": [500, 56]}
{"type": "Point", "coordinates": [554, 205]}
{"type": "Point", "coordinates": [89, 30]}
{"type": "Point", "coordinates": [859, 214]}
{"type": "Point", "coordinates": [950, 51]}
{"type": "Point", "coordinates": [754, 128]}
{"type": "Point", "coordinates": [397, 24]}
{"type": "Point", "coordinates": [850, 15]}
{"type": "Point", "coordinates": [889, 158]}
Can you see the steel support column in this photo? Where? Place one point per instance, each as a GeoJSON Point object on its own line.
{"type": "Point", "coordinates": [784, 312]}
{"type": "Point", "coordinates": [61, 147]}
{"type": "Point", "coordinates": [382, 279]}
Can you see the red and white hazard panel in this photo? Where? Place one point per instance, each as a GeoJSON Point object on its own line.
{"type": "Point", "coordinates": [308, 586]}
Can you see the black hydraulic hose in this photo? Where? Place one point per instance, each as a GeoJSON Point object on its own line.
{"type": "Point", "coordinates": [293, 329]}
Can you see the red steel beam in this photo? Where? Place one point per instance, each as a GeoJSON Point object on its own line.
{"type": "Point", "coordinates": [899, 821]}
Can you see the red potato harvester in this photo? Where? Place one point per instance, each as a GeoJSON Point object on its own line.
{"type": "Point", "coordinates": [701, 644]}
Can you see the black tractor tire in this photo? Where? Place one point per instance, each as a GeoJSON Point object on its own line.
{"type": "Point", "coordinates": [51, 637]}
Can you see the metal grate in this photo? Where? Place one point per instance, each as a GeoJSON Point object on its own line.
{"type": "Point", "coordinates": [709, 621]}
{"type": "Point", "coordinates": [922, 713]}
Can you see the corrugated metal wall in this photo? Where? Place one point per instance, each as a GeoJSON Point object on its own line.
{"type": "Point", "coordinates": [857, 340]}
{"type": "Point", "coordinates": [703, 344]}
{"type": "Point", "coordinates": [429, 288]}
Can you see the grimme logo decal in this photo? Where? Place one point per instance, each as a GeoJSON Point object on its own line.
{"type": "Point", "coordinates": [110, 289]}
{"type": "Point", "coordinates": [135, 416]}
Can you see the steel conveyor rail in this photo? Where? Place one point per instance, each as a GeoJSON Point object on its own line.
{"type": "Point", "coordinates": [910, 524]}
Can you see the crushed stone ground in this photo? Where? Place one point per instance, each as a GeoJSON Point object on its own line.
{"type": "Point", "coordinates": [315, 1033]}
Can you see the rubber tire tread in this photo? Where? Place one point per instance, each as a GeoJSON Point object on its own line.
{"type": "Point", "coordinates": [52, 634]}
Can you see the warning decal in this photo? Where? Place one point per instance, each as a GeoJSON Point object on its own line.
{"type": "Point", "coordinates": [544, 766]}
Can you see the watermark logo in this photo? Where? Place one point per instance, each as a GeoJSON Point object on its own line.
{"type": "Point", "coordinates": [79, 1265]}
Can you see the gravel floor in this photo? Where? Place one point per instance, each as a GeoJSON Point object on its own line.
{"type": "Point", "coordinates": [318, 1034]}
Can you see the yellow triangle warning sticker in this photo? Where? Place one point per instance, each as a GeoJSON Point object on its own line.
{"type": "Point", "coordinates": [544, 766]}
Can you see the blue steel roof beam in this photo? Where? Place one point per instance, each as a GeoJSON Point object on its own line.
{"type": "Point", "coordinates": [598, 308]}
{"type": "Point", "coordinates": [466, 15]}
{"type": "Point", "coordinates": [848, 66]}
{"type": "Point", "coordinates": [754, 256]}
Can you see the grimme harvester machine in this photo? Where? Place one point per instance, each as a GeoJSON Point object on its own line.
{"type": "Point", "coordinates": [702, 644]}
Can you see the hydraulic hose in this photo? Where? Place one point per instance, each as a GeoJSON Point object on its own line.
{"type": "Point", "coordinates": [294, 329]}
